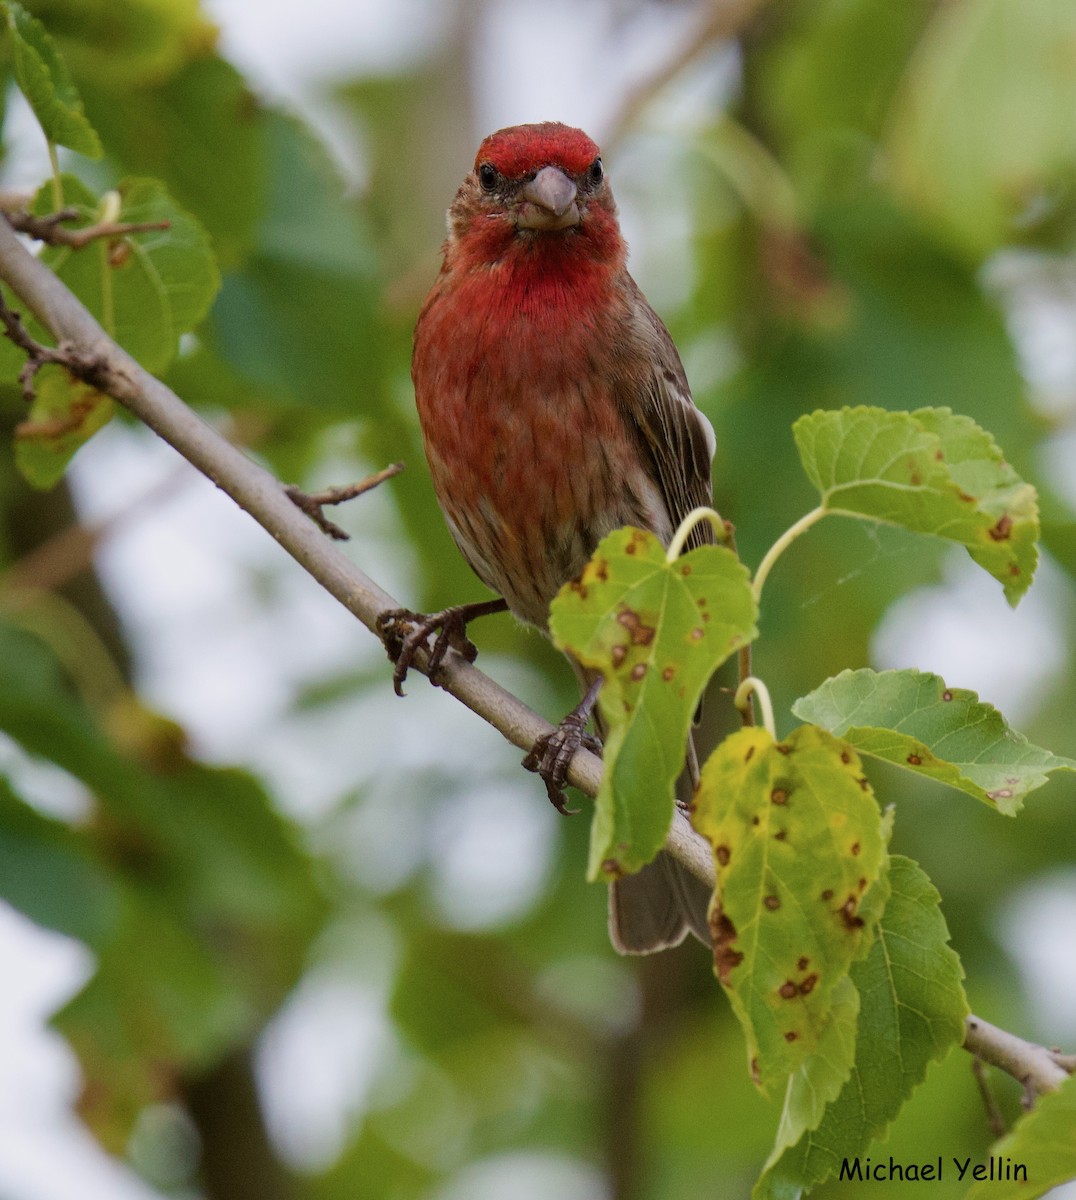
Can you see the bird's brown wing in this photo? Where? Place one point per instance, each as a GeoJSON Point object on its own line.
{"type": "Point", "coordinates": [676, 439]}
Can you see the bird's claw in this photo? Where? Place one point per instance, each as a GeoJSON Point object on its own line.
{"type": "Point", "coordinates": [551, 756]}
{"type": "Point", "coordinates": [404, 633]}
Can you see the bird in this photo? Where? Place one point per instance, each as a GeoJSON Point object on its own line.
{"type": "Point", "coordinates": [554, 409]}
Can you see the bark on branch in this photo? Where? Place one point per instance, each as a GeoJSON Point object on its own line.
{"type": "Point", "coordinates": [1036, 1067]}
{"type": "Point", "coordinates": [85, 349]}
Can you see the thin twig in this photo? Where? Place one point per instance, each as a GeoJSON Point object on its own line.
{"type": "Point", "coordinates": [993, 1114]}
{"type": "Point", "coordinates": [13, 199]}
{"type": "Point", "coordinates": [721, 21]}
{"type": "Point", "coordinates": [86, 350]}
{"type": "Point", "coordinates": [311, 502]}
{"type": "Point", "coordinates": [37, 355]}
{"type": "Point", "coordinates": [49, 228]}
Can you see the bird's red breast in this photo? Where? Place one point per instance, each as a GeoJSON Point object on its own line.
{"type": "Point", "coordinates": [532, 353]}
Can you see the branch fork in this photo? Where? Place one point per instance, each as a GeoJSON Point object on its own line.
{"type": "Point", "coordinates": [312, 503]}
{"type": "Point", "coordinates": [88, 365]}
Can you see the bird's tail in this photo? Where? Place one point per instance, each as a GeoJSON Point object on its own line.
{"type": "Point", "coordinates": [657, 907]}
{"type": "Point", "coordinates": [660, 905]}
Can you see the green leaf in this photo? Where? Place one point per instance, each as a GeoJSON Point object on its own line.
{"type": "Point", "coordinates": [157, 1004]}
{"type": "Point", "coordinates": [177, 122]}
{"type": "Point", "coordinates": [930, 472]}
{"type": "Point", "coordinates": [657, 630]}
{"type": "Point", "coordinates": [48, 873]}
{"type": "Point", "coordinates": [65, 414]}
{"type": "Point", "coordinates": [799, 850]}
{"type": "Point", "coordinates": [139, 45]}
{"type": "Point", "coordinates": [146, 289]}
{"type": "Point", "coordinates": [212, 893]}
{"type": "Point", "coordinates": [313, 254]}
{"type": "Point", "coordinates": [1045, 1141]}
{"type": "Point", "coordinates": [985, 128]}
{"type": "Point", "coordinates": [44, 80]}
{"type": "Point", "coordinates": [39, 712]}
{"type": "Point", "coordinates": [819, 1078]}
{"type": "Point", "coordinates": [914, 720]}
{"type": "Point", "coordinates": [912, 1010]}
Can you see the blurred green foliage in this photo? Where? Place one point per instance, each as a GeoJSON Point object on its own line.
{"type": "Point", "coordinates": [846, 214]}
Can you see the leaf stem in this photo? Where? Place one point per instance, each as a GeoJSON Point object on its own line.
{"type": "Point", "coordinates": [57, 186]}
{"type": "Point", "coordinates": [753, 686]}
{"type": "Point", "coordinates": [684, 529]}
{"type": "Point", "coordinates": [108, 306]}
{"type": "Point", "coordinates": [108, 212]}
{"type": "Point", "coordinates": [781, 545]}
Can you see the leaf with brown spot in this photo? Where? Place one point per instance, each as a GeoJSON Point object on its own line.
{"type": "Point", "coordinates": [638, 626]}
{"type": "Point", "coordinates": [930, 471]}
{"type": "Point", "coordinates": [910, 998]}
{"type": "Point", "coordinates": [819, 1079]}
{"type": "Point", "coordinates": [912, 719]}
{"type": "Point", "coordinates": [64, 416]}
{"type": "Point", "coordinates": [788, 884]}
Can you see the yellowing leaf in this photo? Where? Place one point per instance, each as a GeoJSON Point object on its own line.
{"type": "Point", "coordinates": [820, 1077]}
{"type": "Point", "coordinates": [657, 631]}
{"type": "Point", "coordinates": [65, 414]}
{"type": "Point", "coordinates": [799, 850]}
{"type": "Point", "coordinates": [912, 1010]}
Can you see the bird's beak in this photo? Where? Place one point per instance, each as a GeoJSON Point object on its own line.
{"type": "Point", "coordinates": [548, 201]}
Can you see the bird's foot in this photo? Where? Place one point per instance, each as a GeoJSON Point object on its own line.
{"type": "Point", "coordinates": [404, 633]}
{"type": "Point", "coordinates": [551, 755]}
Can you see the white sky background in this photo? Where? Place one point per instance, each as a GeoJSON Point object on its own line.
{"type": "Point", "coordinates": [227, 668]}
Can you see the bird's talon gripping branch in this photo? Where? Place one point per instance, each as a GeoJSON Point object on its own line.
{"type": "Point", "coordinates": [404, 633]}
{"type": "Point", "coordinates": [552, 754]}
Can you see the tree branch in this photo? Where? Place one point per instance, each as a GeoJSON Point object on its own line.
{"type": "Point", "coordinates": [1036, 1067]}
{"type": "Point", "coordinates": [85, 349]}
{"type": "Point", "coordinates": [50, 228]}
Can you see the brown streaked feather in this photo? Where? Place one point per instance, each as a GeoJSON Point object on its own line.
{"type": "Point", "coordinates": [675, 436]}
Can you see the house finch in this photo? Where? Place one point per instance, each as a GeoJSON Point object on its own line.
{"type": "Point", "coordinates": [554, 409]}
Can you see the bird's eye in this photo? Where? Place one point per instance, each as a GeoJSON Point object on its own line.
{"type": "Point", "coordinates": [488, 177]}
{"type": "Point", "coordinates": [595, 173]}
